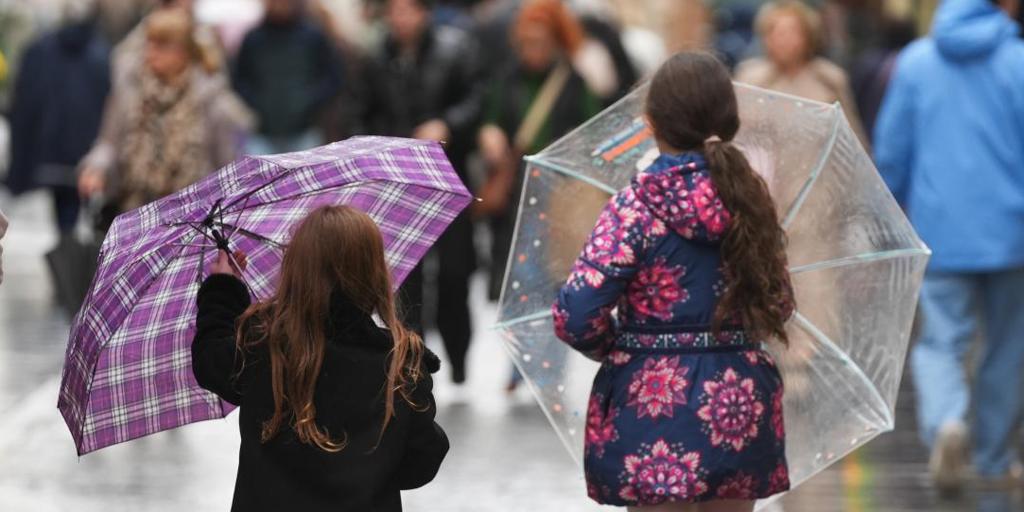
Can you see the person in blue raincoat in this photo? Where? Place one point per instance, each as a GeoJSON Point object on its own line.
{"type": "Point", "coordinates": [949, 141]}
{"type": "Point", "coordinates": [681, 281]}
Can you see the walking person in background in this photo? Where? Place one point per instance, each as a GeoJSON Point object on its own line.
{"type": "Point", "coordinates": [535, 100]}
{"type": "Point", "coordinates": [3, 231]}
{"type": "Point", "coordinates": [129, 56]}
{"type": "Point", "coordinates": [681, 283]}
{"type": "Point", "coordinates": [336, 412]}
{"type": "Point", "coordinates": [182, 123]}
{"type": "Point", "coordinates": [791, 33]}
{"type": "Point", "coordinates": [424, 82]}
{"type": "Point", "coordinates": [56, 112]}
{"type": "Point", "coordinates": [949, 142]}
{"type": "Point", "coordinates": [287, 71]}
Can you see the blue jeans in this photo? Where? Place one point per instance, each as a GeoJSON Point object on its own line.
{"type": "Point", "coordinates": [954, 306]}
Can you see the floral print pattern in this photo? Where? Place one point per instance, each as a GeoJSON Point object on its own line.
{"type": "Point", "coordinates": [600, 426]}
{"type": "Point", "coordinates": [779, 479]}
{"type": "Point", "coordinates": [641, 299]}
{"type": "Point", "coordinates": [778, 419]}
{"type": "Point", "coordinates": [710, 210]}
{"type": "Point", "coordinates": [656, 290]}
{"type": "Point", "coordinates": [731, 410]}
{"type": "Point", "coordinates": [739, 487]}
{"type": "Point", "coordinates": [668, 197]}
{"type": "Point", "coordinates": [660, 473]}
{"type": "Point", "coordinates": [658, 387]}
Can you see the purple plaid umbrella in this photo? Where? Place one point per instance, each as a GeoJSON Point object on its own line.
{"type": "Point", "coordinates": [127, 371]}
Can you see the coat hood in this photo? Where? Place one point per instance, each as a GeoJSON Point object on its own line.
{"type": "Point", "coordinates": [969, 29]}
{"type": "Point", "coordinates": [678, 190]}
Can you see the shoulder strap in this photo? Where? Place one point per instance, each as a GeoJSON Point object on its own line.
{"type": "Point", "coordinates": [541, 107]}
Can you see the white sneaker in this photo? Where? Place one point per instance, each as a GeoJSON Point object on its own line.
{"type": "Point", "coordinates": [950, 457]}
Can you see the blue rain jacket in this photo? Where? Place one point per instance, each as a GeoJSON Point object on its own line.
{"type": "Point", "coordinates": [949, 139]}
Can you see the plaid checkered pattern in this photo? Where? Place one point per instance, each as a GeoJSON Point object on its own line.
{"type": "Point", "coordinates": [127, 370]}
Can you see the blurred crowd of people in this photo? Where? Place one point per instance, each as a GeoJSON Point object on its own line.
{"type": "Point", "coordinates": [110, 118]}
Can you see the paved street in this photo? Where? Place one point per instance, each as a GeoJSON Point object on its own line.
{"type": "Point", "coordinates": [505, 457]}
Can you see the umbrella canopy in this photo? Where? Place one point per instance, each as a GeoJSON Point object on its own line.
{"type": "Point", "coordinates": [855, 260]}
{"type": "Point", "coordinates": [127, 371]}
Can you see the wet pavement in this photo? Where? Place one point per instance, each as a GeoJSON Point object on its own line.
{"type": "Point", "coordinates": [505, 457]}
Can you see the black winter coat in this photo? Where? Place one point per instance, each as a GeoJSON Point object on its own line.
{"type": "Point", "coordinates": [442, 81]}
{"type": "Point", "coordinates": [287, 73]}
{"type": "Point", "coordinates": [58, 105]}
{"type": "Point", "coordinates": [285, 474]}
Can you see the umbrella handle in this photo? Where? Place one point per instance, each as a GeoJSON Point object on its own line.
{"type": "Point", "coordinates": [221, 241]}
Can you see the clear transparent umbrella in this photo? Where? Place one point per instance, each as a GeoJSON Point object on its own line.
{"type": "Point", "coordinates": [855, 260]}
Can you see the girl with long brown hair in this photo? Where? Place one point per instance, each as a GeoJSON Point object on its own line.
{"type": "Point", "coordinates": [680, 285]}
{"type": "Point", "coordinates": [336, 411]}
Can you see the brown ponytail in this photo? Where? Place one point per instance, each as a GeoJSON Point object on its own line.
{"type": "Point", "coordinates": [692, 107]}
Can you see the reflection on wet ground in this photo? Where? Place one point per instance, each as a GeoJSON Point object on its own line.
{"type": "Point", "coordinates": [504, 457]}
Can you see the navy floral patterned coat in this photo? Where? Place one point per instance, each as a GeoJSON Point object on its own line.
{"type": "Point", "coordinates": [676, 412]}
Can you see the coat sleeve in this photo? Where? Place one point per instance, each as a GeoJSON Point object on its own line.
{"type": "Point", "coordinates": [222, 300]}
{"type": "Point", "coordinates": [583, 312]}
{"type": "Point", "coordinates": [427, 444]}
{"type": "Point", "coordinates": [894, 133]}
{"type": "Point", "coordinates": [463, 116]}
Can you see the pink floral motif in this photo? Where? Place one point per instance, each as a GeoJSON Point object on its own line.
{"type": "Point", "coordinates": [740, 487]}
{"type": "Point", "coordinates": [779, 479]}
{"type": "Point", "coordinates": [731, 410]}
{"type": "Point", "coordinates": [600, 324]}
{"type": "Point", "coordinates": [586, 274]}
{"type": "Point", "coordinates": [608, 244]}
{"type": "Point", "coordinates": [620, 358]}
{"type": "Point", "coordinates": [661, 473]}
{"type": "Point", "coordinates": [668, 195]}
{"type": "Point", "coordinates": [710, 210]}
{"type": "Point", "coordinates": [778, 419]}
{"type": "Point", "coordinates": [658, 387]}
{"type": "Point", "coordinates": [600, 427]}
{"type": "Point", "coordinates": [655, 290]}
{"type": "Point", "coordinates": [758, 357]}
{"type": "Point", "coordinates": [561, 318]}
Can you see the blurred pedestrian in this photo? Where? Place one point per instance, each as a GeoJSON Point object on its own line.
{"type": "Point", "coordinates": [874, 68]}
{"type": "Point", "coordinates": [948, 142]}
{"type": "Point", "coordinates": [3, 232]}
{"type": "Point", "coordinates": [533, 101]}
{"type": "Point", "coordinates": [287, 70]}
{"type": "Point", "coordinates": [56, 113]}
{"type": "Point", "coordinates": [336, 412]}
{"type": "Point", "coordinates": [791, 33]}
{"type": "Point", "coordinates": [424, 82]}
{"type": "Point", "coordinates": [680, 283]}
{"type": "Point", "coordinates": [180, 124]}
{"type": "Point", "coordinates": [129, 57]}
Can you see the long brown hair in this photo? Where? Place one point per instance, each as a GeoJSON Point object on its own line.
{"type": "Point", "coordinates": [692, 106]}
{"type": "Point", "coordinates": [336, 249]}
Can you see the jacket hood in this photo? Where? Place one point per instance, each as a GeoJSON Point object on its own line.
{"type": "Point", "coordinates": [678, 190]}
{"type": "Point", "coordinates": [968, 29]}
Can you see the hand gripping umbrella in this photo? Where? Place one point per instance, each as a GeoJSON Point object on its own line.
{"type": "Point", "coordinates": [856, 265]}
{"type": "Point", "coordinates": [127, 371]}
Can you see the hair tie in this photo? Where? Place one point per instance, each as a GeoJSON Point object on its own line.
{"type": "Point", "coordinates": [713, 138]}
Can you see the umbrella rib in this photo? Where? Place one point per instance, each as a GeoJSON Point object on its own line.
{"type": "Point", "coordinates": [570, 173]}
{"type": "Point", "coordinates": [539, 397]}
{"type": "Point", "coordinates": [818, 169]}
{"type": "Point", "coordinates": [858, 258]}
{"type": "Point", "coordinates": [885, 414]}
{"type": "Point", "coordinates": [250, 234]}
{"type": "Point", "coordinates": [518, 320]}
